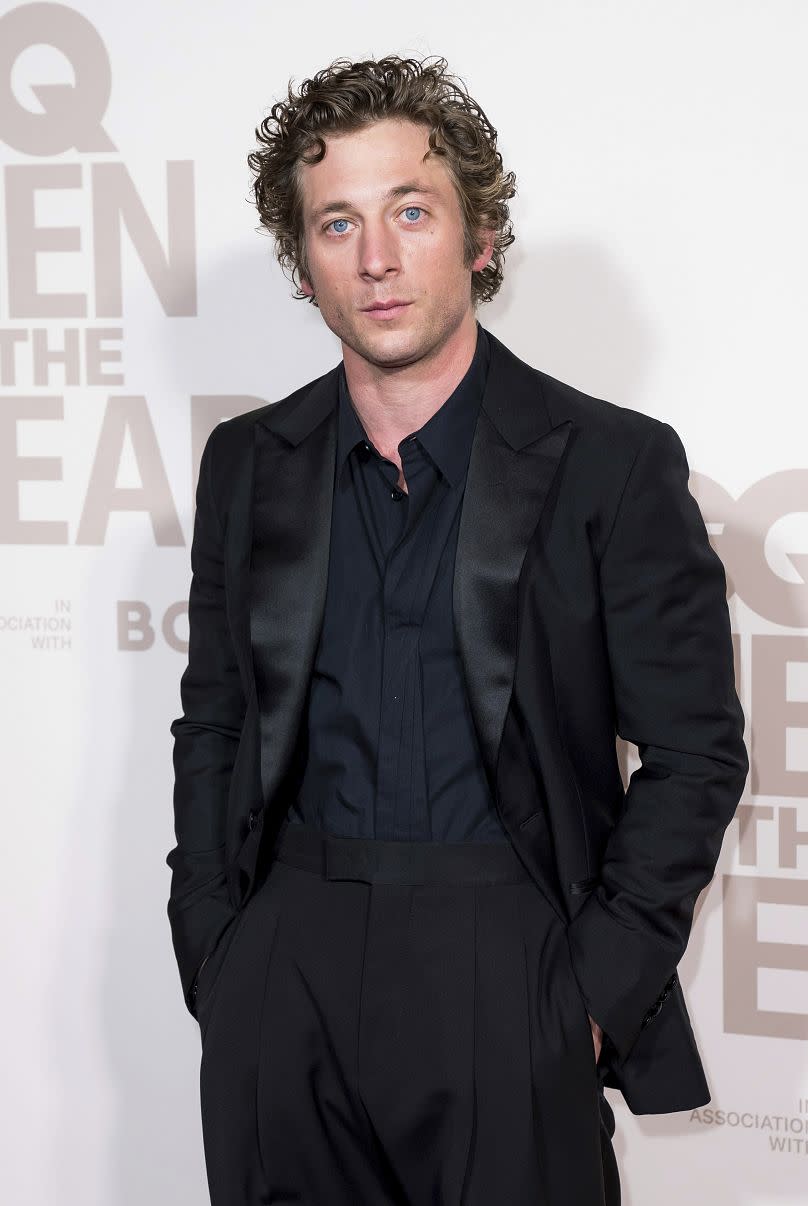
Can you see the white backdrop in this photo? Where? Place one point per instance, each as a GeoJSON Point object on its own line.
{"type": "Point", "coordinates": [660, 262]}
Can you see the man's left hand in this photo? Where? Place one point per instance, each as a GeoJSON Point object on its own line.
{"type": "Point", "coordinates": [597, 1036]}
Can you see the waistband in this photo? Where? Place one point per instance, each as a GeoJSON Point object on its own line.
{"type": "Point", "coordinates": [391, 862]}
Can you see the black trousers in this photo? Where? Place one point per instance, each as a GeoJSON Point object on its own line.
{"type": "Point", "coordinates": [399, 1023]}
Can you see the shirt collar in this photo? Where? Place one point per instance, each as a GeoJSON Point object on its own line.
{"type": "Point", "coordinates": [447, 435]}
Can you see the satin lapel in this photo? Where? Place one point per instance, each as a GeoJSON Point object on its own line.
{"type": "Point", "coordinates": [514, 458]}
{"type": "Point", "coordinates": [295, 456]}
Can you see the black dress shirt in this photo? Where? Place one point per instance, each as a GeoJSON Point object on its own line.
{"type": "Point", "coordinates": [390, 747]}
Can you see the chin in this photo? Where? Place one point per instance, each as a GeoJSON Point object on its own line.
{"type": "Point", "coordinates": [384, 335]}
{"type": "Point", "coordinates": [390, 355]}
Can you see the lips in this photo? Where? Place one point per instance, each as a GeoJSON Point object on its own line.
{"type": "Point", "coordinates": [395, 304]}
{"type": "Point", "coordinates": [387, 311]}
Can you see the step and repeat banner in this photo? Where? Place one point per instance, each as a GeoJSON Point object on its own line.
{"type": "Point", "coordinates": [660, 262]}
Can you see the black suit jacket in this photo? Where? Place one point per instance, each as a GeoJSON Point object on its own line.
{"type": "Point", "coordinates": [588, 602]}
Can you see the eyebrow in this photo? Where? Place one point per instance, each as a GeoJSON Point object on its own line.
{"type": "Point", "coordinates": [398, 190]}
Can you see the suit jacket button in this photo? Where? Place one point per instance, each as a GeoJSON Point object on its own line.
{"type": "Point", "coordinates": [251, 819]}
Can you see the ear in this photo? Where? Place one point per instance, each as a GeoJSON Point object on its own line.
{"type": "Point", "coordinates": [486, 237]}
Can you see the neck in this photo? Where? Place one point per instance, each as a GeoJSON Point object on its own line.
{"type": "Point", "coordinates": [392, 403]}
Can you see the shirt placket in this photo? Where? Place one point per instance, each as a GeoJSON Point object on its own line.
{"type": "Point", "coordinates": [400, 790]}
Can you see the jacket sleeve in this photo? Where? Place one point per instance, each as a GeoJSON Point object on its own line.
{"type": "Point", "coordinates": [667, 631]}
{"type": "Point", "coordinates": [206, 738]}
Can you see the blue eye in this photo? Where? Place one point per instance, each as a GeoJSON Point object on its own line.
{"type": "Point", "coordinates": [417, 209]}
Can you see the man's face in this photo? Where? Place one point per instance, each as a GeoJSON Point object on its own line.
{"type": "Point", "coordinates": [366, 246]}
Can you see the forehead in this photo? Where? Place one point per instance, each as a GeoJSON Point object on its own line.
{"type": "Point", "coordinates": [371, 165]}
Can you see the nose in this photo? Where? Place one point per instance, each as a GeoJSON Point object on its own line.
{"type": "Point", "coordinates": [378, 250]}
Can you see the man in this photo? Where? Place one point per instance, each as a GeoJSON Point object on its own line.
{"type": "Point", "coordinates": [419, 919]}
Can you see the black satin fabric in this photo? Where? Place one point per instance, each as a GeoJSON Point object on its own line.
{"type": "Point", "coordinates": [390, 746]}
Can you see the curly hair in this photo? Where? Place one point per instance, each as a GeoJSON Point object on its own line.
{"type": "Point", "coordinates": [346, 96]}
